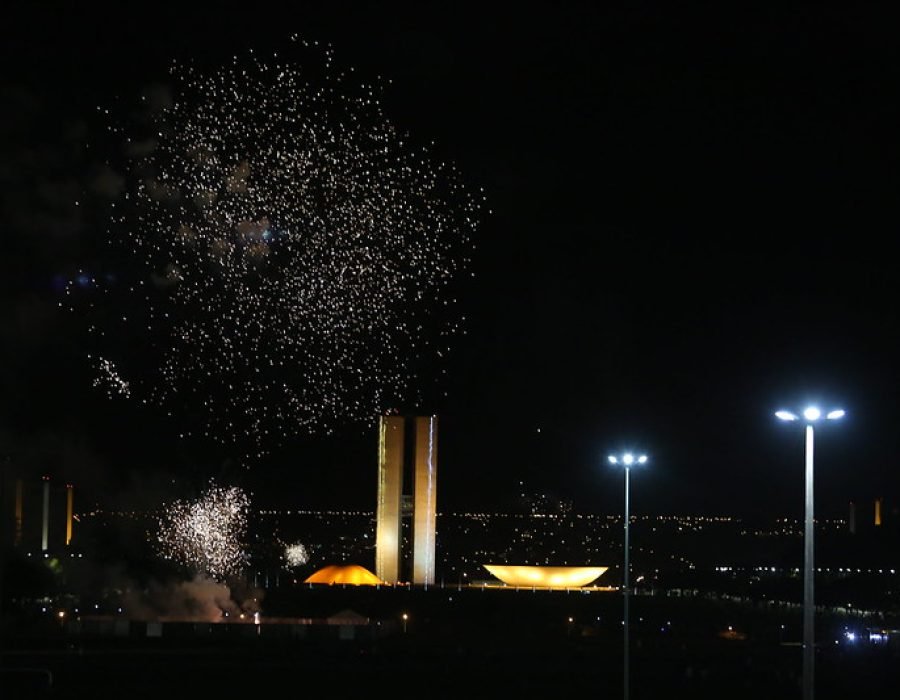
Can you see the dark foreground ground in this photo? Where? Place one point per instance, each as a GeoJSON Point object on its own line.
{"type": "Point", "coordinates": [455, 645]}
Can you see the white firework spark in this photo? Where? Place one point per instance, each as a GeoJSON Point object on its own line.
{"type": "Point", "coordinates": [108, 379]}
{"type": "Point", "coordinates": [296, 255]}
{"type": "Point", "coordinates": [296, 554]}
{"type": "Point", "coordinates": [206, 535]}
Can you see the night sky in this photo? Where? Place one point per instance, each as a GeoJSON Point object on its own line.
{"type": "Point", "coordinates": [691, 224]}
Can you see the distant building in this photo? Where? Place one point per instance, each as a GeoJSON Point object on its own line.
{"type": "Point", "coordinates": [405, 457]}
{"type": "Point", "coordinates": [546, 576]}
{"type": "Point", "coordinates": [351, 574]}
{"type": "Point", "coordinates": [37, 514]}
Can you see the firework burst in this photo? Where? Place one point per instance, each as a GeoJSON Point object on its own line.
{"type": "Point", "coordinates": [296, 555]}
{"type": "Point", "coordinates": [295, 256]}
{"type": "Point", "coordinates": [206, 535]}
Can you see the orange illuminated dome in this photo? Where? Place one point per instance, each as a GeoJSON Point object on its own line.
{"type": "Point", "coordinates": [352, 573]}
{"type": "Point", "coordinates": [546, 576]}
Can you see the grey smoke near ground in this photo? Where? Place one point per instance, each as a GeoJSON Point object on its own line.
{"type": "Point", "coordinates": [198, 600]}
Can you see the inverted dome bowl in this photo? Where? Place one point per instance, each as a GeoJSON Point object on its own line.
{"type": "Point", "coordinates": [546, 576]}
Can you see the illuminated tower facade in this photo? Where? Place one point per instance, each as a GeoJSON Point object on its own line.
{"type": "Point", "coordinates": [406, 457]}
{"type": "Point", "coordinates": [388, 535]}
{"type": "Point", "coordinates": [70, 512]}
{"type": "Point", "coordinates": [32, 515]}
{"type": "Point", "coordinates": [45, 520]}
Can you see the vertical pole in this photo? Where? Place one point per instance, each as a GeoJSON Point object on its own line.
{"type": "Point", "coordinates": [625, 586]}
{"type": "Point", "coordinates": [808, 578]}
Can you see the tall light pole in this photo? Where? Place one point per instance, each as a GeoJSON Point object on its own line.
{"type": "Point", "coordinates": [810, 415]}
{"type": "Point", "coordinates": [627, 460]}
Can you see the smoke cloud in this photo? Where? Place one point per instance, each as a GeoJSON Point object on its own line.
{"type": "Point", "coordinates": [198, 600]}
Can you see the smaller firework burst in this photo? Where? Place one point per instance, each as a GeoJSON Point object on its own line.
{"type": "Point", "coordinates": [296, 554]}
{"type": "Point", "coordinates": [206, 535]}
{"type": "Point", "coordinates": [109, 380]}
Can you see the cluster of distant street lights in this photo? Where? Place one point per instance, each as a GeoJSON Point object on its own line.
{"type": "Point", "coordinates": [809, 416]}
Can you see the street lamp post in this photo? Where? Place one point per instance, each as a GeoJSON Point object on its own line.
{"type": "Point", "coordinates": [810, 416]}
{"type": "Point", "coordinates": [627, 460]}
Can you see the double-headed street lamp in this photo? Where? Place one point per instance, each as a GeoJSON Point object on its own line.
{"type": "Point", "coordinates": [627, 460]}
{"type": "Point", "coordinates": [810, 415]}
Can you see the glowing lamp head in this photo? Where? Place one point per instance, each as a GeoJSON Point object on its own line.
{"type": "Point", "coordinates": [811, 414]}
{"type": "Point", "coordinates": [628, 459]}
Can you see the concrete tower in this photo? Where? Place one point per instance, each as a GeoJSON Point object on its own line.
{"type": "Point", "coordinates": [390, 495]}
{"type": "Point", "coordinates": [395, 454]}
{"type": "Point", "coordinates": [45, 522]}
{"type": "Point", "coordinates": [70, 512]}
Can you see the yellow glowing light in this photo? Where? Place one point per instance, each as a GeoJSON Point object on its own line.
{"type": "Point", "coordinates": [546, 576]}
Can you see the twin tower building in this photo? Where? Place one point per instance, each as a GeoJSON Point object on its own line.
{"type": "Point", "coordinates": [406, 514]}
